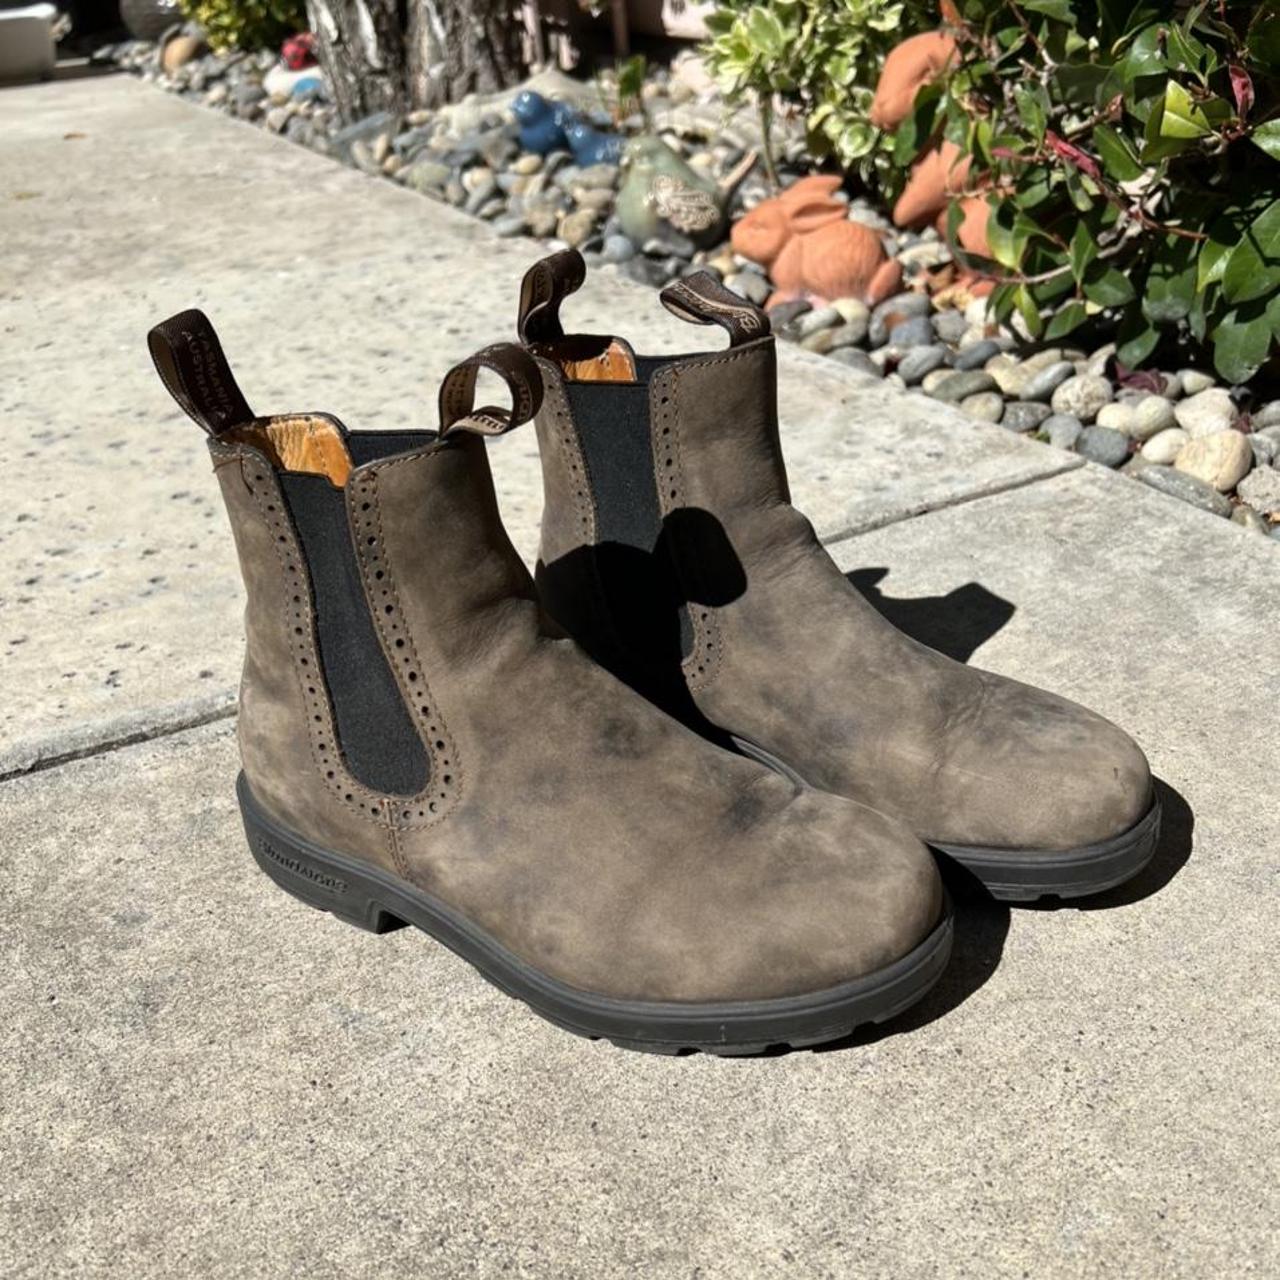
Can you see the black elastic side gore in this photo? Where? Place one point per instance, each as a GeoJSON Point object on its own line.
{"type": "Point", "coordinates": [377, 738]}
{"type": "Point", "coordinates": [613, 429]}
{"type": "Point", "coordinates": [369, 446]}
{"type": "Point", "coordinates": [637, 578]}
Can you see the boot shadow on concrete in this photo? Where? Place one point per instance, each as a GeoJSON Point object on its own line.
{"type": "Point", "coordinates": [956, 624]}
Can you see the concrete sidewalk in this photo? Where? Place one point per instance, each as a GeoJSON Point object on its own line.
{"type": "Point", "coordinates": [206, 1078]}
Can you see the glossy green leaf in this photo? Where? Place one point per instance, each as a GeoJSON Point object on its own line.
{"type": "Point", "coordinates": [1060, 10]}
{"type": "Point", "coordinates": [1065, 320]}
{"type": "Point", "coordinates": [1119, 160]}
{"type": "Point", "coordinates": [1033, 109]}
{"type": "Point", "coordinates": [1137, 339]}
{"type": "Point", "coordinates": [1267, 136]}
{"type": "Point", "coordinates": [1182, 117]}
{"type": "Point", "coordinates": [1083, 250]}
{"type": "Point", "coordinates": [1241, 342]}
{"type": "Point", "coordinates": [1029, 312]}
{"type": "Point", "coordinates": [1108, 287]}
{"type": "Point", "coordinates": [1253, 269]}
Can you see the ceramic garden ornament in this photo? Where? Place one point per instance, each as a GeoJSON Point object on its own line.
{"type": "Point", "coordinates": [556, 126]}
{"type": "Point", "coordinates": [811, 250]}
{"type": "Point", "coordinates": [659, 191]}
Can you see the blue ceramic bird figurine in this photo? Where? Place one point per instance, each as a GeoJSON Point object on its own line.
{"type": "Point", "coordinates": [541, 122]}
{"type": "Point", "coordinates": [549, 126]}
{"type": "Point", "coordinates": [592, 146]}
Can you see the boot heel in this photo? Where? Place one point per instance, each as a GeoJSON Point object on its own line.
{"type": "Point", "coordinates": [305, 875]}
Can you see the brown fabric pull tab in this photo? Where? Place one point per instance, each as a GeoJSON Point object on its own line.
{"type": "Point", "coordinates": [515, 366]}
{"type": "Point", "coordinates": [702, 299]}
{"type": "Point", "coordinates": [188, 357]}
{"type": "Point", "coordinates": [545, 286]}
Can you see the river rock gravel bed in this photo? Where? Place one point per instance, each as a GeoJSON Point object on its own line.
{"type": "Point", "coordinates": [1177, 430]}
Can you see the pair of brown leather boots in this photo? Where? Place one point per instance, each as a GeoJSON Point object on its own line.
{"type": "Point", "coordinates": [678, 794]}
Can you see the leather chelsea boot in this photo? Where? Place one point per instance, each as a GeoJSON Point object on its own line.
{"type": "Point", "coordinates": [671, 551]}
{"type": "Point", "coordinates": [417, 747]}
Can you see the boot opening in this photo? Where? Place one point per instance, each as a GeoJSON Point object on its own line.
{"type": "Point", "coordinates": [303, 443]}
{"type": "Point", "coordinates": [590, 357]}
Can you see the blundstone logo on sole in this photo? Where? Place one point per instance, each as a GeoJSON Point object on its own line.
{"type": "Point", "coordinates": [330, 884]}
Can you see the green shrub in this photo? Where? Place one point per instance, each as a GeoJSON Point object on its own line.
{"type": "Point", "coordinates": [247, 24]}
{"type": "Point", "coordinates": [1133, 166]}
{"type": "Point", "coordinates": [822, 54]}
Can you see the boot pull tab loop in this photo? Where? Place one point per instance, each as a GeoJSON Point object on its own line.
{"type": "Point", "coordinates": [702, 299]}
{"type": "Point", "coordinates": [515, 367]}
{"type": "Point", "coordinates": [188, 357]}
{"type": "Point", "coordinates": [545, 286]}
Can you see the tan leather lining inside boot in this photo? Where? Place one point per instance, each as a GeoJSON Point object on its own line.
{"type": "Point", "coordinates": [588, 358]}
{"type": "Point", "coordinates": [299, 443]}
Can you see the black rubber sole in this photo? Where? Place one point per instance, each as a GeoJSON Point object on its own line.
{"type": "Point", "coordinates": [371, 899]}
{"type": "Point", "coordinates": [1015, 875]}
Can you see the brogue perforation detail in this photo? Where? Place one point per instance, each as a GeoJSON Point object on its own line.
{"type": "Point", "coordinates": [703, 663]}
{"type": "Point", "coordinates": [326, 754]}
{"type": "Point", "coordinates": [566, 437]}
{"type": "Point", "coordinates": [444, 787]}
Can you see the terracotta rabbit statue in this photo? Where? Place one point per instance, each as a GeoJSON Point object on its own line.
{"type": "Point", "coordinates": [810, 248]}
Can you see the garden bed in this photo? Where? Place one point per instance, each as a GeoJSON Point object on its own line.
{"type": "Point", "coordinates": [1180, 430]}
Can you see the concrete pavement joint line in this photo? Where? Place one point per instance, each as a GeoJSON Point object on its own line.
{"type": "Point", "coordinates": [161, 728]}
{"type": "Point", "coordinates": [991, 490]}
{"type": "Point", "coordinates": [220, 707]}
{"type": "Point", "coordinates": [225, 706]}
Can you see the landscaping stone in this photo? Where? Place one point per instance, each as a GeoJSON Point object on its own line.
{"type": "Point", "coordinates": [950, 326]}
{"type": "Point", "coordinates": [985, 406]}
{"type": "Point", "coordinates": [1164, 447]}
{"type": "Point", "coordinates": [786, 313]}
{"type": "Point", "coordinates": [749, 284]}
{"type": "Point", "coordinates": [956, 386]}
{"type": "Point", "coordinates": [914, 332]}
{"type": "Point", "coordinates": [1194, 382]}
{"type": "Point", "coordinates": [1103, 445]}
{"type": "Point", "coordinates": [1260, 490]}
{"type": "Point", "coordinates": [1186, 487]}
{"type": "Point", "coordinates": [846, 335]}
{"type": "Point", "coordinates": [1221, 460]}
{"type": "Point", "coordinates": [1265, 449]}
{"type": "Point", "coordinates": [1081, 396]}
{"type": "Point", "coordinates": [618, 248]}
{"type": "Point", "coordinates": [976, 354]}
{"type": "Point", "coordinates": [1024, 415]}
{"type": "Point", "coordinates": [1117, 416]}
{"type": "Point", "coordinates": [853, 311]}
{"type": "Point", "coordinates": [1267, 416]}
{"type": "Point", "coordinates": [1011, 377]}
{"type": "Point", "coordinates": [575, 227]}
{"type": "Point", "coordinates": [919, 361]}
{"type": "Point", "coordinates": [1040, 384]}
{"type": "Point", "coordinates": [1207, 412]}
{"type": "Point", "coordinates": [1150, 415]}
{"type": "Point", "coordinates": [812, 321]}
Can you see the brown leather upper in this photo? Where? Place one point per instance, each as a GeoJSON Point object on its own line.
{"type": "Point", "coordinates": [800, 664]}
{"type": "Point", "coordinates": [591, 834]}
